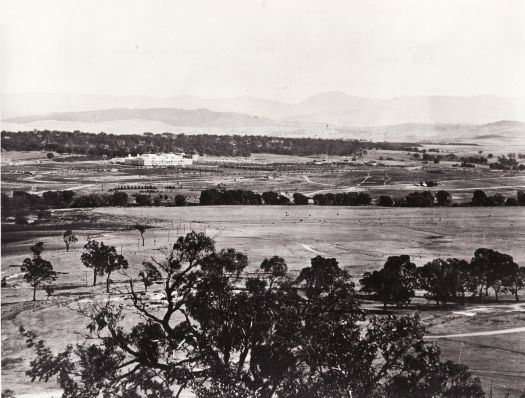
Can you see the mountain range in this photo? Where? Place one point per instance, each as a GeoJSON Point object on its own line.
{"type": "Point", "coordinates": [329, 114]}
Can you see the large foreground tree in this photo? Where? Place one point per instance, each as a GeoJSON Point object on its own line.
{"type": "Point", "coordinates": [221, 333]}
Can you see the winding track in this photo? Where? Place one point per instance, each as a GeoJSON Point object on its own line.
{"type": "Point", "coordinates": [488, 333]}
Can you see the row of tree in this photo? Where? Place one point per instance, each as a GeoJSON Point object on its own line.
{"type": "Point", "coordinates": [111, 145]}
{"type": "Point", "coordinates": [222, 333]}
{"type": "Point", "coordinates": [443, 198]}
{"type": "Point", "coordinates": [24, 201]}
{"type": "Point", "coordinates": [445, 280]}
{"type": "Point", "coordinates": [503, 162]}
{"type": "Point", "coordinates": [343, 199]}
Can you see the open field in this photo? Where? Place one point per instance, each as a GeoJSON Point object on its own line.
{"type": "Point", "coordinates": [394, 174]}
{"type": "Point", "coordinates": [361, 238]}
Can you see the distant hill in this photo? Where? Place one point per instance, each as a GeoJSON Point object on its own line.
{"type": "Point", "coordinates": [506, 133]}
{"type": "Point", "coordinates": [483, 119]}
{"type": "Point", "coordinates": [335, 107]}
{"type": "Point", "coordinates": [169, 116]}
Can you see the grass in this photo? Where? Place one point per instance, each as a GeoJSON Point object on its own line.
{"type": "Point", "coordinates": [360, 238]}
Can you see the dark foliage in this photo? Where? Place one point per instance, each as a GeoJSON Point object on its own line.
{"type": "Point", "coordinates": [443, 198]}
{"type": "Point", "coordinates": [222, 336]}
{"type": "Point", "coordinates": [300, 199]}
{"type": "Point", "coordinates": [111, 145]}
{"type": "Point", "coordinates": [419, 199]}
{"type": "Point", "coordinates": [394, 283]}
{"type": "Point", "coordinates": [180, 200]}
{"type": "Point", "coordinates": [385, 201]}
{"type": "Point", "coordinates": [69, 237]}
{"type": "Point", "coordinates": [37, 270]}
{"type": "Point", "coordinates": [274, 198]}
{"type": "Point", "coordinates": [343, 199]}
{"type": "Point", "coordinates": [229, 197]}
{"type": "Point", "coordinates": [103, 260]}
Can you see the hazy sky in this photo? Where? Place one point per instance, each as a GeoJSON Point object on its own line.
{"type": "Point", "coordinates": [276, 49]}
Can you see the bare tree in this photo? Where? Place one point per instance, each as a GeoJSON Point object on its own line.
{"type": "Point", "coordinates": [141, 228]}
{"type": "Point", "coordinates": [69, 237]}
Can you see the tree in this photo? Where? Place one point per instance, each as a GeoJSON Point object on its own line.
{"type": "Point", "coordinates": [300, 199]}
{"type": "Point", "coordinates": [37, 270]}
{"type": "Point", "coordinates": [479, 198]}
{"type": "Point", "coordinates": [69, 238]}
{"type": "Point", "coordinates": [103, 260]}
{"type": "Point", "coordinates": [521, 197]}
{"type": "Point", "coordinates": [323, 274]}
{"type": "Point", "coordinates": [119, 198]}
{"type": "Point", "coordinates": [274, 198]}
{"type": "Point", "coordinates": [49, 289]}
{"type": "Point", "coordinates": [220, 335]}
{"type": "Point", "coordinates": [490, 268]}
{"type": "Point", "coordinates": [276, 268]}
{"type": "Point", "coordinates": [463, 279]}
{"type": "Point", "coordinates": [443, 198]}
{"type": "Point", "coordinates": [142, 229]}
{"type": "Point", "coordinates": [180, 200]}
{"type": "Point", "coordinates": [419, 199]}
{"type": "Point", "coordinates": [7, 393]}
{"type": "Point", "coordinates": [50, 155]}
{"type": "Point", "coordinates": [439, 278]}
{"type": "Point", "coordinates": [149, 275]}
{"type": "Point", "coordinates": [497, 199]}
{"type": "Point", "coordinates": [20, 219]}
{"type": "Point", "coordinates": [143, 200]}
{"type": "Point", "coordinates": [515, 281]}
{"type": "Point", "coordinates": [385, 201]}
{"type": "Point", "coordinates": [394, 283]}
{"type": "Point", "coordinates": [157, 200]}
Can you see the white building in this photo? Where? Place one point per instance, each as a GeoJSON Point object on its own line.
{"type": "Point", "coordinates": [157, 160]}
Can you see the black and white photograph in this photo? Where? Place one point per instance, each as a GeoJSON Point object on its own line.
{"type": "Point", "coordinates": [262, 198]}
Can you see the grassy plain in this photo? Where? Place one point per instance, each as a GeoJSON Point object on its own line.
{"type": "Point", "coordinates": [395, 173]}
{"type": "Point", "coordinates": [360, 238]}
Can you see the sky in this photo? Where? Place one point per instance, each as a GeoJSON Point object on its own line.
{"type": "Point", "coordinates": [284, 50]}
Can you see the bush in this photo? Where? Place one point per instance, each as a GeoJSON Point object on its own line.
{"type": "Point", "coordinates": [119, 198]}
{"type": "Point", "coordinates": [180, 200]}
{"type": "Point", "coordinates": [274, 198]}
{"type": "Point", "coordinates": [385, 201]}
{"type": "Point", "coordinates": [300, 199]}
{"type": "Point", "coordinates": [143, 200]}
{"type": "Point", "coordinates": [419, 199]}
{"type": "Point", "coordinates": [20, 219]}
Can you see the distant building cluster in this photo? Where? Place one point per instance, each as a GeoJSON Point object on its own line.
{"type": "Point", "coordinates": [160, 160]}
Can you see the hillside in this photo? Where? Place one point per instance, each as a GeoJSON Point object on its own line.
{"type": "Point", "coordinates": [481, 120]}
{"type": "Point", "coordinates": [169, 116]}
{"type": "Point", "coordinates": [336, 108]}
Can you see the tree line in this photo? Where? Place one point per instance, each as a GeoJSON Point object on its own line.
{"type": "Point", "coordinates": [220, 333]}
{"type": "Point", "coordinates": [445, 280]}
{"type": "Point", "coordinates": [111, 145]}
{"type": "Point", "coordinates": [444, 198]}
{"type": "Point", "coordinates": [23, 202]}
{"type": "Point", "coordinates": [508, 162]}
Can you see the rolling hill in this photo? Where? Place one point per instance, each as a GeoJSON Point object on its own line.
{"type": "Point", "coordinates": [481, 119]}
{"type": "Point", "coordinates": [329, 107]}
